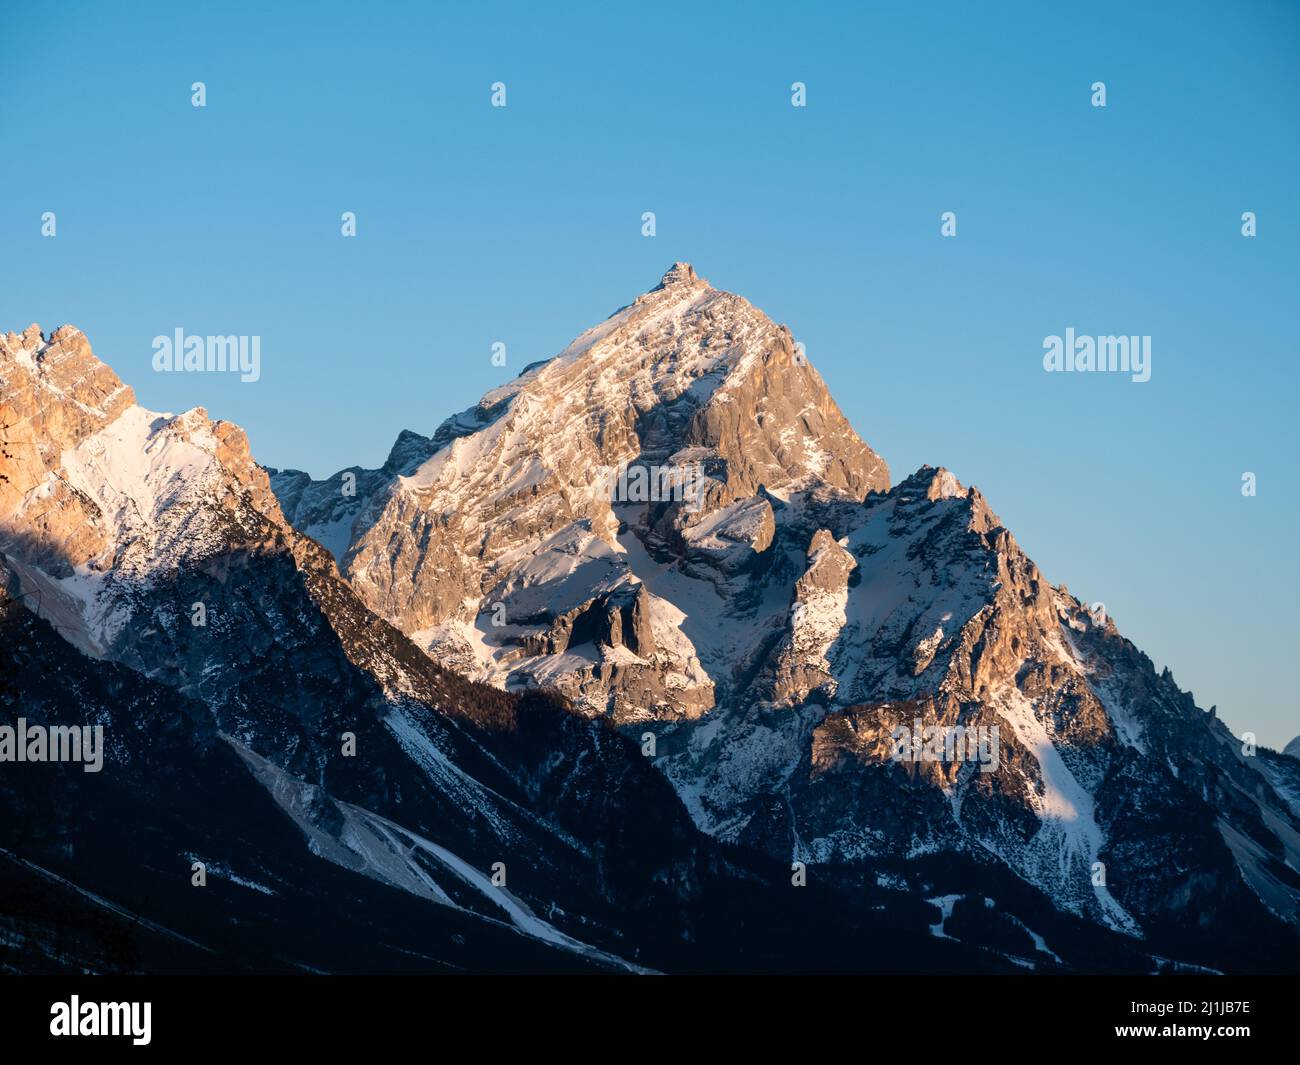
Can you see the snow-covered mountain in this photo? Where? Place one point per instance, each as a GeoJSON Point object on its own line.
{"type": "Point", "coordinates": [642, 629]}
{"type": "Point", "coordinates": [776, 627]}
{"type": "Point", "coordinates": [513, 546]}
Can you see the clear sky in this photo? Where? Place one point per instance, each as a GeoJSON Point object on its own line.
{"type": "Point", "coordinates": [523, 225]}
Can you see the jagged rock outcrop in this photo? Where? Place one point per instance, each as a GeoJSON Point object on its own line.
{"type": "Point", "coordinates": [800, 666]}
{"type": "Point", "coordinates": [329, 509]}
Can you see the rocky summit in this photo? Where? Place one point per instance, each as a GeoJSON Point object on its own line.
{"type": "Point", "coordinates": [642, 662]}
{"type": "Point", "coordinates": [504, 546]}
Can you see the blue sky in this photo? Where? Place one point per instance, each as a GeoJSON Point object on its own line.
{"type": "Point", "coordinates": [523, 225]}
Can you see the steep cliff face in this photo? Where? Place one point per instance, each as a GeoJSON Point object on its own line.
{"type": "Point", "coordinates": [53, 395]}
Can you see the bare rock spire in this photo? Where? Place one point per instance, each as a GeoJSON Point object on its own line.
{"type": "Point", "coordinates": [677, 273]}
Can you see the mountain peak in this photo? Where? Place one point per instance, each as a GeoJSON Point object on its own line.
{"type": "Point", "coordinates": [678, 273]}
